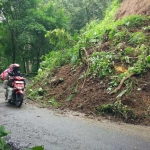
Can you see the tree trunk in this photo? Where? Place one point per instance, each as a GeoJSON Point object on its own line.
{"type": "Point", "coordinates": [13, 47]}
{"type": "Point", "coordinates": [24, 65]}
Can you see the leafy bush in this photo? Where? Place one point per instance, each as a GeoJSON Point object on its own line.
{"type": "Point", "coordinates": [117, 109]}
{"type": "Point", "coordinates": [59, 38]}
{"type": "Point", "coordinates": [101, 64]}
{"type": "Point", "coordinates": [32, 93]}
{"type": "Point", "coordinates": [3, 144]}
{"type": "Point", "coordinates": [134, 21]}
{"type": "Point", "coordinates": [98, 29]}
{"type": "Point", "coordinates": [137, 38]}
{"type": "Point", "coordinates": [53, 102]}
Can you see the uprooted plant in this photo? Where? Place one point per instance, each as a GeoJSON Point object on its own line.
{"type": "Point", "coordinates": [117, 109]}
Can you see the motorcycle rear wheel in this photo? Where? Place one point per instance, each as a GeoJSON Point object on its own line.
{"type": "Point", "coordinates": [19, 100]}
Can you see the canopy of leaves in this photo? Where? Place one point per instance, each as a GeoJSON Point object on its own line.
{"type": "Point", "coordinates": [24, 26]}
{"type": "Point", "coordinates": [82, 12]}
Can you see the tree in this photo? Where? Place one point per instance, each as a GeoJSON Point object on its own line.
{"type": "Point", "coordinates": [83, 11]}
{"type": "Point", "coordinates": [25, 25]}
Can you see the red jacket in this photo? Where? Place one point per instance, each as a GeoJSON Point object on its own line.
{"type": "Point", "coordinates": [4, 74]}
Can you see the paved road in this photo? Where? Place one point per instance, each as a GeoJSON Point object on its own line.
{"type": "Point", "coordinates": [32, 126]}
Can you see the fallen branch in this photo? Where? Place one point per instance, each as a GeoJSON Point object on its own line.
{"type": "Point", "coordinates": [84, 61]}
{"type": "Point", "coordinates": [121, 83]}
{"type": "Point", "coordinates": [50, 94]}
{"type": "Point", "coordinates": [85, 77]}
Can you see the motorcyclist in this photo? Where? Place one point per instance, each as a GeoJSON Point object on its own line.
{"type": "Point", "coordinates": [4, 75]}
{"type": "Point", "coordinates": [7, 77]}
{"type": "Point", "coordinates": [15, 72]}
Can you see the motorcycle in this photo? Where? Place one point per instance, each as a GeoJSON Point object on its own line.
{"type": "Point", "coordinates": [16, 91]}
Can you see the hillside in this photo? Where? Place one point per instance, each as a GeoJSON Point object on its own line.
{"type": "Point", "coordinates": [133, 7]}
{"type": "Point", "coordinates": [120, 59]}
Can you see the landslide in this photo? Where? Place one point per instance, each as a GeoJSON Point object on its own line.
{"type": "Point", "coordinates": [136, 7]}
{"type": "Point", "coordinates": [79, 87]}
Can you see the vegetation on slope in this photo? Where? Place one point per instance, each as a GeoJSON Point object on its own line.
{"type": "Point", "coordinates": [111, 52]}
{"type": "Point", "coordinates": [24, 23]}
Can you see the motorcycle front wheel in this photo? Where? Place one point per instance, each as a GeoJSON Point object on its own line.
{"type": "Point", "coordinates": [19, 99]}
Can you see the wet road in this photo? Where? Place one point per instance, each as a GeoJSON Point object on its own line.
{"type": "Point", "coordinates": [32, 126]}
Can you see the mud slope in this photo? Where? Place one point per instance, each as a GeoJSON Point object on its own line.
{"type": "Point", "coordinates": [70, 89]}
{"type": "Point", "coordinates": [137, 7]}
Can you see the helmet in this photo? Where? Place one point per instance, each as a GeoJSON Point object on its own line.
{"type": "Point", "coordinates": [11, 67]}
{"type": "Point", "coordinates": [16, 67]}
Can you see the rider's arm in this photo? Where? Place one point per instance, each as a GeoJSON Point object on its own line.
{"type": "Point", "coordinates": [10, 73]}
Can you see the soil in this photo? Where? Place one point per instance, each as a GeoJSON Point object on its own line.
{"type": "Point", "coordinates": [86, 95]}
{"type": "Point", "coordinates": [69, 89]}
{"type": "Point", "coordinates": [73, 92]}
{"type": "Point", "coordinates": [130, 7]}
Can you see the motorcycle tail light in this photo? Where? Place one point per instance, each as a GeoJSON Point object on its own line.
{"type": "Point", "coordinates": [19, 85]}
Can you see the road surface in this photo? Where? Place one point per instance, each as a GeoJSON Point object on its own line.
{"type": "Point", "coordinates": [30, 126]}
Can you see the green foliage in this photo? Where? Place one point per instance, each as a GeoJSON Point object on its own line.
{"type": "Point", "coordinates": [3, 132]}
{"type": "Point", "coordinates": [127, 47]}
{"type": "Point", "coordinates": [141, 64]}
{"type": "Point", "coordinates": [98, 29]}
{"type": "Point", "coordinates": [57, 58]}
{"type": "Point", "coordinates": [41, 91]}
{"type": "Point", "coordinates": [36, 93]}
{"type": "Point", "coordinates": [146, 28]}
{"type": "Point", "coordinates": [115, 80]}
{"type": "Point", "coordinates": [70, 97]}
{"type": "Point", "coordinates": [59, 38]}
{"type": "Point", "coordinates": [134, 21]}
{"type": "Point", "coordinates": [105, 109]}
{"type": "Point", "coordinates": [32, 93]}
{"type": "Point", "coordinates": [128, 50]}
{"type": "Point", "coordinates": [3, 144]}
{"type": "Point", "coordinates": [36, 148]}
{"type": "Point", "coordinates": [53, 102]}
{"type": "Point", "coordinates": [120, 36]}
{"type": "Point", "coordinates": [24, 28]}
{"type": "Point", "coordinates": [101, 64]}
{"type": "Point", "coordinates": [80, 16]}
{"type": "Point", "coordinates": [148, 58]}
{"type": "Point", "coordinates": [117, 109]}
{"type": "Point", "coordinates": [137, 38]}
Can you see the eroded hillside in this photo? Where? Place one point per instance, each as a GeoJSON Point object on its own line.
{"type": "Point", "coordinates": [130, 7]}
{"type": "Point", "coordinates": [114, 81]}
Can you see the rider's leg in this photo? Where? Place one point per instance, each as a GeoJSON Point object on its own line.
{"type": "Point", "coordinates": [9, 92]}
{"type": "Point", "coordinates": [5, 84]}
